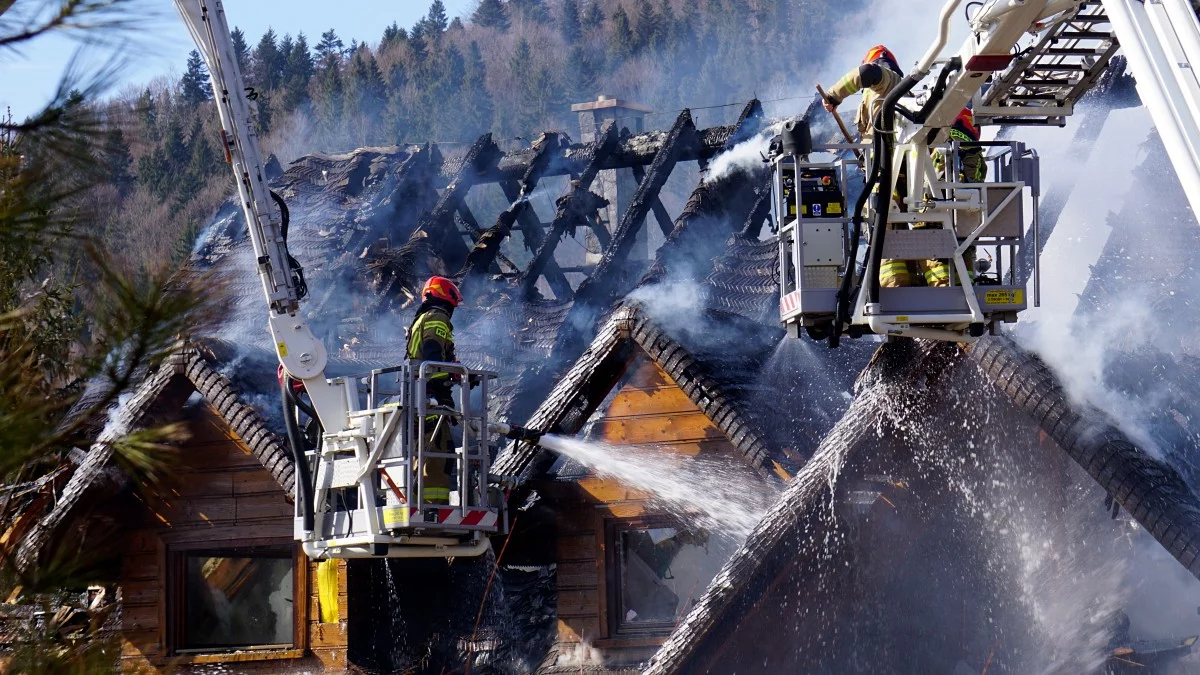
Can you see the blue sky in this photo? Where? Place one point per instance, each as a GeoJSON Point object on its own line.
{"type": "Point", "coordinates": [160, 44]}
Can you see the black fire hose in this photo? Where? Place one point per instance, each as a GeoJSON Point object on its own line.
{"type": "Point", "coordinates": [939, 90]}
{"type": "Point", "coordinates": [304, 486]}
{"type": "Point", "coordinates": [884, 132]}
{"type": "Point", "coordinates": [285, 219]}
{"type": "Point", "coordinates": [844, 294]}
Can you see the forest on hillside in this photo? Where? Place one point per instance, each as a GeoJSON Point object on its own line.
{"type": "Point", "coordinates": [510, 67]}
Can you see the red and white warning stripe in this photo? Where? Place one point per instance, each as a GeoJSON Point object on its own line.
{"type": "Point", "coordinates": [453, 516]}
{"type": "Point", "coordinates": [790, 303]}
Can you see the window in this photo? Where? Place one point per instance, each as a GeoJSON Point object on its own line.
{"type": "Point", "coordinates": [657, 570]}
{"type": "Point", "coordinates": [234, 599]}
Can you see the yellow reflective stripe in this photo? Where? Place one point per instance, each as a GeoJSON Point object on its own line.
{"type": "Point", "coordinates": [435, 493]}
{"type": "Point", "coordinates": [893, 271]}
{"type": "Point", "coordinates": [936, 271]}
{"type": "Point", "coordinates": [440, 328]}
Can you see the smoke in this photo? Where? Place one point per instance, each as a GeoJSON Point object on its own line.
{"type": "Point", "coordinates": [1085, 349]}
{"type": "Point", "coordinates": [746, 156]}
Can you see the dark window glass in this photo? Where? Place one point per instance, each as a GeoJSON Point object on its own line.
{"type": "Point", "coordinates": [661, 571]}
{"type": "Point", "coordinates": [242, 600]}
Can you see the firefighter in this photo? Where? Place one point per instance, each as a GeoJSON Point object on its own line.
{"type": "Point", "coordinates": [431, 338]}
{"type": "Point", "coordinates": [878, 74]}
{"type": "Point", "coordinates": [972, 169]}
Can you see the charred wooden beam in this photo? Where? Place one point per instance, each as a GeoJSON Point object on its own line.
{"type": "Point", "coordinates": [656, 206]}
{"type": "Point", "coordinates": [399, 212]}
{"type": "Point", "coordinates": [438, 224]}
{"type": "Point", "coordinates": [639, 150]}
{"type": "Point", "coordinates": [548, 149]}
{"type": "Point", "coordinates": [495, 236]}
{"type": "Point", "coordinates": [750, 122]}
{"type": "Point", "coordinates": [596, 294]}
{"type": "Point", "coordinates": [532, 229]}
{"type": "Point", "coordinates": [1151, 490]}
{"type": "Point", "coordinates": [759, 214]}
{"type": "Point", "coordinates": [578, 205]}
{"type": "Point", "coordinates": [487, 246]}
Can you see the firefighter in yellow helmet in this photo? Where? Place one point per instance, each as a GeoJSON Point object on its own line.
{"type": "Point", "coordinates": [431, 338]}
{"type": "Point", "coordinates": [878, 74]}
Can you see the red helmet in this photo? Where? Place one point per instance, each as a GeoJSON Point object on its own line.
{"type": "Point", "coordinates": [442, 289]}
{"type": "Point", "coordinates": [879, 52]}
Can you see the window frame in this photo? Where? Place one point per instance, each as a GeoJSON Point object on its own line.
{"type": "Point", "coordinates": [175, 597]}
{"type": "Point", "coordinates": [614, 579]}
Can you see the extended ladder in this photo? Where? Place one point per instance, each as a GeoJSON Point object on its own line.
{"type": "Point", "coordinates": [1047, 78]}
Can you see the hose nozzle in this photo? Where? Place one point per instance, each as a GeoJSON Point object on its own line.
{"type": "Point", "coordinates": [516, 433]}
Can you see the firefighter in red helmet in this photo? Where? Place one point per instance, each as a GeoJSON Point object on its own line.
{"type": "Point", "coordinates": [431, 338]}
{"type": "Point", "coordinates": [878, 74]}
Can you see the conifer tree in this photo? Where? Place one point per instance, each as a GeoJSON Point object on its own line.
{"type": "Point", "coordinates": [396, 114]}
{"type": "Point", "coordinates": [117, 161]}
{"type": "Point", "coordinates": [436, 22]}
{"type": "Point", "coordinates": [365, 94]}
{"type": "Point", "coordinates": [476, 104]}
{"type": "Point", "coordinates": [147, 109]}
{"type": "Point", "coordinates": [241, 50]}
{"type": "Point", "coordinates": [267, 63]}
{"type": "Point", "coordinates": [650, 30]}
{"type": "Point", "coordinates": [329, 48]}
{"type": "Point", "coordinates": [621, 40]}
{"type": "Point", "coordinates": [593, 19]}
{"type": "Point", "coordinates": [297, 71]}
{"type": "Point", "coordinates": [195, 86]}
{"type": "Point", "coordinates": [457, 24]}
{"type": "Point", "coordinates": [569, 26]}
{"type": "Point", "coordinates": [491, 14]}
{"type": "Point", "coordinates": [393, 34]}
{"type": "Point", "coordinates": [585, 73]}
{"type": "Point", "coordinates": [153, 172]}
{"type": "Point", "coordinates": [531, 10]}
{"type": "Point", "coordinates": [326, 90]}
{"type": "Point", "coordinates": [175, 148]}
{"type": "Point", "coordinates": [445, 95]}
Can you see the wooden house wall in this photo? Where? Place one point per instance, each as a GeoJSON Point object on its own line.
{"type": "Point", "coordinates": [224, 498]}
{"type": "Point", "coordinates": [649, 408]}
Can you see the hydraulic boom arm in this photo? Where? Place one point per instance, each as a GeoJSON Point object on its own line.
{"type": "Point", "coordinates": [300, 352]}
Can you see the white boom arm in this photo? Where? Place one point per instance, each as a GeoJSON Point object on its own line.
{"type": "Point", "coordinates": [1161, 42]}
{"type": "Point", "coordinates": [300, 352]}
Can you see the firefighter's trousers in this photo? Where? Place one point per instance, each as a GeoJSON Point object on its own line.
{"type": "Point", "coordinates": [435, 470]}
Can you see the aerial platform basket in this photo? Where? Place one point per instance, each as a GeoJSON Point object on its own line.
{"type": "Point", "coordinates": [952, 222]}
{"type": "Point", "coordinates": [368, 486]}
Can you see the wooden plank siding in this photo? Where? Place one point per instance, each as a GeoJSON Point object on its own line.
{"type": "Point", "coordinates": [649, 410]}
{"type": "Point", "coordinates": [223, 499]}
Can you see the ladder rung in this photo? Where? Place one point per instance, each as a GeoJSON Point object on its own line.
{"type": "Point", "coordinates": [1085, 35]}
{"type": "Point", "coordinates": [1030, 121]}
{"type": "Point", "coordinates": [1033, 97]}
{"type": "Point", "coordinates": [1090, 18]}
{"type": "Point", "coordinates": [1044, 83]}
{"type": "Point", "coordinates": [1072, 51]}
{"type": "Point", "coordinates": [1060, 68]}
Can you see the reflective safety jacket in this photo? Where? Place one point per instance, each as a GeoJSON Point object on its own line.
{"type": "Point", "coordinates": [973, 168]}
{"type": "Point", "coordinates": [874, 80]}
{"type": "Point", "coordinates": [431, 338]}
